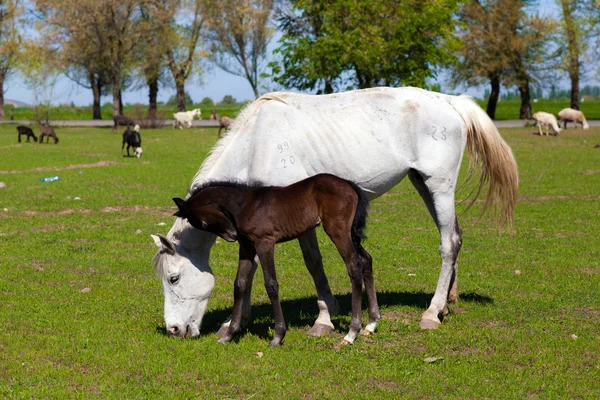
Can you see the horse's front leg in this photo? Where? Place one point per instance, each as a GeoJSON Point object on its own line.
{"type": "Point", "coordinates": [328, 305]}
{"type": "Point", "coordinates": [265, 253]}
{"type": "Point", "coordinates": [240, 289]}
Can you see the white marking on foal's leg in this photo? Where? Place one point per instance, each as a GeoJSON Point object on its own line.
{"type": "Point", "coordinates": [369, 329]}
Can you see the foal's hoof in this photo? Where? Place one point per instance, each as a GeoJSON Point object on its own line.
{"type": "Point", "coordinates": [341, 344]}
{"type": "Point", "coordinates": [365, 332]}
{"type": "Point", "coordinates": [319, 330]}
{"type": "Point", "coordinates": [222, 331]}
{"type": "Point", "coordinates": [429, 324]}
{"type": "Point", "coordinates": [224, 339]}
{"type": "Point", "coordinates": [276, 342]}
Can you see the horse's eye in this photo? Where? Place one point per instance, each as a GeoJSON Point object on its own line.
{"type": "Point", "coordinates": [173, 279]}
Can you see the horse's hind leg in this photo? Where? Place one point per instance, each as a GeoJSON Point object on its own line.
{"type": "Point", "coordinates": [367, 266]}
{"type": "Point", "coordinates": [440, 202]}
{"type": "Point", "coordinates": [351, 257]}
{"type": "Point", "coordinates": [327, 304]}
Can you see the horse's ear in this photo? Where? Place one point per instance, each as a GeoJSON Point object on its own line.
{"type": "Point", "coordinates": [164, 243]}
{"type": "Point", "coordinates": [182, 206]}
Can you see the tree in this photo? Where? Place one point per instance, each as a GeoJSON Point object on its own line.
{"type": "Point", "coordinates": [183, 56]}
{"type": "Point", "coordinates": [153, 49]}
{"type": "Point", "coordinates": [338, 44]}
{"type": "Point", "coordinates": [97, 39]}
{"type": "Point", "coordinates": [10, 42]}
{"type": "Point", "coordinates": [240, 34]}
{"type": "Point", "coordinates": [574, 27]}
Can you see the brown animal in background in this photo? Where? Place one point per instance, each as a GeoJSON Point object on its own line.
{"type": "Point", "coordinates": [49, 132]}
{"type": "Point", "coordinates": [121, 120]}
{"type": "Point", "coordinates": [25, 130]}
{"type": "Point", "coordinates": [260, 217]}
{"type": "Point", "coordinates": [214, 116]}
{"type": "Point", "coordinates": [224, 122]}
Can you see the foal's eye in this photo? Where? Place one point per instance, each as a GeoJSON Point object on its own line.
{"type": "Point", "coordinates": [173, 279]}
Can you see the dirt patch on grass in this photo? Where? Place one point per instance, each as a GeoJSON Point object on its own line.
{"type": "Point", "coordinates": [72, 166]}
{"type": "Point", "coordinates": [158, 211]}
{"type": "Point", "coordinates": [550, 198]}
{"type": "Point", "coordinates": [163, 211]}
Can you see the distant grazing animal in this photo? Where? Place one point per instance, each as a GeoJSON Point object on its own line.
{"type": "Point", "coordinates": [546, 120]}
{"type": "Point", "coordinates": [49, 133]}
{"type": "Point", "coordinates": [260, 217]}
{"type": "Point", "coordinates": [224, 122]}
{"type": "Point", "coordinates": [214, 116]}
{"type": "Point", "coordinates": [25, 130]}
{"type": "Point", "coordinates": [185, 118]}
{"type": "Point", "coordinates": [374, 137]}
{"type": "Point", "coordinates": [132, 138]}
{"type": "Point", "coordinates": [575, 116]}
{"type": "Point", "coordinates": [121, 120]}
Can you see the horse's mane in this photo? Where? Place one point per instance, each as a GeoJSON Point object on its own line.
{"type": "Point", "coordinates": [237, 127]}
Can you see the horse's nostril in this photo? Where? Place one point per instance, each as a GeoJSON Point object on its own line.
{"type": "Point", "coordinates": [174, 330]}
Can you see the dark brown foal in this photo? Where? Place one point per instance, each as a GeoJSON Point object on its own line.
{"type": "Point", "coordinates": [260, 217]}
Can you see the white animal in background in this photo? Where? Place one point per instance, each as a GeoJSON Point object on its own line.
{"type": "Point", "coordinates": [546, 120]}
{"type": "Point", "coordinates": [575, 116]}
{"type": "Point", "coordinates": [185, 118]}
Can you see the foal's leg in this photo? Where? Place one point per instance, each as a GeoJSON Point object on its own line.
{"type": "Point", "coordinates": [265, 253]}
{"type": "Point", "coordinates": [367, 266]}
{"type": "Point", "coordinates": [328, 305]}
{"type": "Point", "coordinates": [352, 260]}
{"type": "Point", "coordinates": [246, 304]}
{"type": "Point", "coordinates": [450, 242]}
{"type": "Point", "coordinates": [240, 289]}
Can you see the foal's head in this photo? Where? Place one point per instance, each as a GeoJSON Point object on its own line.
{"type": "Point", "coordinates": [206, 215]}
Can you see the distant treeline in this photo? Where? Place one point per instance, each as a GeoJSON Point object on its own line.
{"type": "Point", "coordinates": [553, 93]}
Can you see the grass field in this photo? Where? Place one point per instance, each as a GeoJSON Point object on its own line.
{"type": "Point", "coordinates": [81, 311]}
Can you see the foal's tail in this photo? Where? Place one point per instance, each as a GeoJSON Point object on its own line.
{"type": "Point", "coordinates": [360, 217]}
{"type": "Point", "coordinates": [498, 165]}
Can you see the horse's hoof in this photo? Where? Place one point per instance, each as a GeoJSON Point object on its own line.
{"type": "Point", "coordinates": [429, 324]}
{"type": "Point", "coordinates": [319, 330]}
{"type": "Point", "coordinates": [222, 331]}
{"type": "Point", "coordinates": [365, 332]}
{"type": "Point", "coordinates": [276, 342]}
{"type": "Point", "coordinates": [341, 344]}
{"type": "Point", "coordinates": [224, 339]}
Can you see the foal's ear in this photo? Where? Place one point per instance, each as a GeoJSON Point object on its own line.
{"type": "Point", "coordinates": [164, 243]}
{"type": "Point", "coordinates": [183, 208]}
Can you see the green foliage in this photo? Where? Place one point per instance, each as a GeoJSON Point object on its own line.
{"type": "Point", "coordinates": [173, 100]}
{"type": "Point", "coordinates": [228, 99]}
{"type": "Point", "coordinates": [207, 102]}
{"type": "Point", "coordinates": [342, 44]}
{"type": "Point", "coordinates": [509, 336]}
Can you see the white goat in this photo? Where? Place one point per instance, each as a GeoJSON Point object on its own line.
{"type": "Point", "coordinates": [546, 120]}
{"type": "Point", "coordinates": [185, 118]}
{"type": "Point", "coordinates": [575, 116]}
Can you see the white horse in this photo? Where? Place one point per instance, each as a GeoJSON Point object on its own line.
{"type": "Point", "coordinates": [185, 118]}
{"type": "Point", "coordinates": [374, 137]}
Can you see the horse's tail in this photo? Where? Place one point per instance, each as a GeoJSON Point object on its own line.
{"type": "Point", "coordinates": [498, 166]}
{"type": "Point", "coordinates": [360, 217]}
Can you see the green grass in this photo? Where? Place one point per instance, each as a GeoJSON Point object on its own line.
{"type": "Point", "coordinates": [508, 337]}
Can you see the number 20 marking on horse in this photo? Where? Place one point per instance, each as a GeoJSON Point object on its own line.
{"type": "Point", "coordinates": [291, 159]}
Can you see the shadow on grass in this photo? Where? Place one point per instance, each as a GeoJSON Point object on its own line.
{"type": "Point", "coordinates": [303, 312]}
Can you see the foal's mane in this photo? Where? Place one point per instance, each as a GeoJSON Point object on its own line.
{"type": "Point", "coordinates": [230, 184]}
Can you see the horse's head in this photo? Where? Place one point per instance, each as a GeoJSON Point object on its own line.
{"type": "Point", "coordinates": [186, 278]}
{"type": "Point", "coordinates": [197, 113]}
{"type": "Point", "coordinates": [138, 152]}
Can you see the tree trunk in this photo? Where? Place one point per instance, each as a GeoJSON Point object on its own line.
{"type": "Point", "coordinates": [97, 93]}
{"type": "Point", "coordinates": [120, 102]}
{"type": "Point", "coordinates": [525, 111]}
{"type": "Point", "coordinates": [2, 115]}
{"type": "Point", "coordinates": [494, 95]}
{"type": "Point", "coordinates": [180, 96]}
{"type": "Point", "coordinates": [328, 86]}
{"type": "Point", "coordinates": [152, 96]}
{"type": "Point", "coordinates": [116, 94]}
{"type": "Point", "coordinates": [573, 48]}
